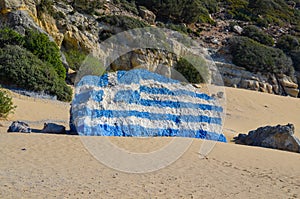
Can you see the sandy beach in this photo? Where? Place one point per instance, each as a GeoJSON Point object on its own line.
{"type": "Point", "coordinates": [60, 166]}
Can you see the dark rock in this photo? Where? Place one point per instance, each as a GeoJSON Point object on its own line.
{"type": "Point", "coordinates": [54, 128]}
{"type": "Point", "coordinates": [276, 137]}
{"type": "Point", "coordinates": [18, 126]}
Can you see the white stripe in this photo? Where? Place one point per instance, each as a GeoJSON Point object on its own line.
{"type": "Point", "coordinates": [147, 123]}
{"type": "Point", "coordinates": [150, 109]}
{"type": "Point", "coordinates": [112, 79]}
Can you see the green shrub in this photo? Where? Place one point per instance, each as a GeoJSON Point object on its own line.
{"type": "Point", "coordinates": [179, 28]}
{"type": "Point", "coordinates": [87, 6]}
{"type": "Point", "coordinates": [288, 43]}
{"type": "Point", "coordinates": [75, 58]}
{"type": "Point", "coordinates": [45, 6]}
{"type": "Point", "coordinates": [21, 68]}
{"type": "Point", "coordinates": [263, 12]}
{"type": "Point", "coordinates": [10, 37]}
{"type": "Point", "coordinates": [295, 55]}
{"type": "Point", "coordinates": [291, 46]}
{"type": "Point", "coordinates": [40, 45]}
{"type": "Point", "coordinates": [193, 68]}
{"type": "Point", "coordinates": [237, 9]}
{"type": "Point", "coordinates": [128, 5]}
{"type": "Point", "coordinates": [210, 5]}
{"type": "Point", "coordinates": [275, 12]}
{"type": "Point", "coordinates": [118, 21]}
{"type": "Point", "coordinates": [174, 11]}
{"type": "Point", "coordinates": [123, 22]}
{"type": "Point", "coordinates": [256, 34]}
{"type": "Point", "coordinates": [6, 104]}
{"type": "Point", "coordinates": [256, 57]}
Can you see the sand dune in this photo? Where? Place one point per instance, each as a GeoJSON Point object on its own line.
{"type": "Point", "coordinates": [60, 166]}
{"type": "Point", "coordinates": [248, 110]}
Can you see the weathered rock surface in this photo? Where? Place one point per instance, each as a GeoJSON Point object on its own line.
{"type": "Point", "coordinates": [276, 137]}
{"type": "Point", "coordinates": [144, 104]}
{"type": "Point", "coordinates": [54, 128]}
{"type": "Point", "coordinates": [18, 126]}
{"type": "Point", "coordinates": [235, 76]}
{"type": "Point", "coordinates": [147, 15]}
{"type": "Point", "coordinates": [9, 5]}
{"type": "Point", "coordinates": [75, 30]}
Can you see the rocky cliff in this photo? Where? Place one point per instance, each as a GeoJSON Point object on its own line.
{"type": "Point", "coordinates": [72, 25]}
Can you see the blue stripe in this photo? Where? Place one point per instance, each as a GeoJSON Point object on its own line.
{"type": "Point", "coordinates": [151, 116]}
{"type": "Point", "coordinates": [133, 97]}
{"type": "Point", "coordinates": [180, 92]}
{"type": "Point", "coordinates": [139, 131]}
{"type": "Point", "coordinates": [86, 96]}
{"type": "Point", "coordinates": [136, 75]}
{"type": "Point", "coordinates": [172, 104]}
{"type": "Point", "coordinates": [89, 80]}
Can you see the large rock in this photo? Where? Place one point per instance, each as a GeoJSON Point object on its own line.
{"type": "Point", "coordinates": [18, 126]}
{"type": "Point", "coordinates": [144, 104]}
{"type": "Point", "coordinates": [54, 128]}
{"type": "Point", "coordinates": [235, 76]}
{"type": "Point", "coordinates": [276, 137]}
{"type": "Point", "coordinates": [289, 86]}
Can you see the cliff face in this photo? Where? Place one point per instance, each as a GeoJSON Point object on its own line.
{"type": "Point", "coordinates": [70, 28]}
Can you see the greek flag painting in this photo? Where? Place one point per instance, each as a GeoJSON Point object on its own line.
{"type": "Point", "coordinates": [139, 103]}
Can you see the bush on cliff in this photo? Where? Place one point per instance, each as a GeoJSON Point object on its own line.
{"type": "Point", "coordinates": [186, 11]}
{"type": "Point", "coordinates": [46, 50]}
{"type": "Point", "coordinates": [295, 55]}
{"type": "Point", "coordinates": [6, 104]}
{"type": "Point", "coordinates": [288, 43]}
{"type": "Point", "coordinates": [263, 12]}
{"type": "Point", "coordinates": [193, 69]}
{"type": "Point", "coordinates": [10, 37]}
{"type": "Point", "coordinates": [21, 68]}
{"type": "Point", "coordinates": [123, 22]}
{"type": "Point", "coordinates": [75, 58]}
{"type": "Point", "coordinates": [256, 34]}
{"type": "Point", "coordinates": [256, 57]}
{"type": "Point", "coordinates": [37, 43]}
{"type": "Point", "coordinates": [291, 46]}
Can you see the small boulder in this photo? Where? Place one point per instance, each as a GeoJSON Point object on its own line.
{"type": "Point", "coordinates": [147, 15]}
{"type": "Point", "coordinates": [238, 29]}
{"type": "Point", "coordinates": [276, 137]}
{"type": "Point", "coordinates": [54, 128]}
{"type": "Point", "coordinates": [293, 92]}
{"type": "Point", "coordinates": [18, 126]}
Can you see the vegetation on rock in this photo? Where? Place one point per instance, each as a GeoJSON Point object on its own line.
{"type": "Point", "coordinates": [184, 11]}
{"type": "Point", "coordinates": [257, 57]}
{"type": "Point", "coordinates": [256, 34]}
{"type": "Point", "coordinates": [6, 104]}
{"type": "Point", "coordinates": [40, 45]}
{"type": "Point", "coordinates": [75, 58]}
{"type": "Point", "coordinates": [32, 62]}
{"type": "Point", "coordinates": [288, 43]}
{"type": "Point", "coordinates": [194, 69]}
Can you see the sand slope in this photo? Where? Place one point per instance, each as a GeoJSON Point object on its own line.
{"type": "Point", "coordinates": [59, 166]}
{"type": "Point", "coordinates": [248, 110]}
